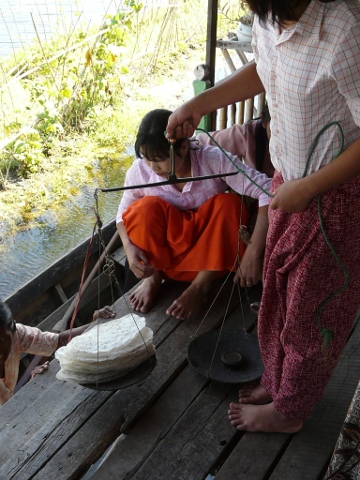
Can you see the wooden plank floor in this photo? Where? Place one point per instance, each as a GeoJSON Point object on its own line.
{"type": "Point", "coordinates": [171, 425]}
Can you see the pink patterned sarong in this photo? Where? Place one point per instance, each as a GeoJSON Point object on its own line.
{"type": "Point", "coordinates": [300, 272]}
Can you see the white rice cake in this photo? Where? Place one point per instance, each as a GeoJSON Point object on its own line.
{"type": "Point", "coordinates": [106, 351]}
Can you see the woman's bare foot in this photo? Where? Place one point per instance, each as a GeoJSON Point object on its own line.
{"type": "Point", "coordinates": [142, 298]}
{"type": "Point", "coordinates": [254, 394]}
{"type": "Point", "coordinates": [188, 302]}
{"type": "Point", "coordinates": [262, 418]}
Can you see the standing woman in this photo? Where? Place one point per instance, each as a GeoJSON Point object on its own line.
{"type": "Point", "coordinates": [307, 59]}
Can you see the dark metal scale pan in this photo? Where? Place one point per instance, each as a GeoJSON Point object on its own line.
{"type": "Point", "coordinates": [236, 359]}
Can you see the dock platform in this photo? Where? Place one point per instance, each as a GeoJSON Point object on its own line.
{"type": "Point", "coordinates": [173, 424]}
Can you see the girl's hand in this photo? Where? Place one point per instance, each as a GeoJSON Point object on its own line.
{"type": "Point", "coordinates": [292, 196]}
{"type": "Point", "coordinates": [40, 369]}
{"type": "Point", "coordinates": [138, 262]}
{"type": "Point", "coordinates": [104, 312]}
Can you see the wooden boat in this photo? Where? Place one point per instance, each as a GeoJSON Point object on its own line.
{"type": "Point", "coordinates": [43, 300]}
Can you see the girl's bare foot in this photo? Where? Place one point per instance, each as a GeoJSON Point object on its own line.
{"type": "Point", "coordinates": [142, 298]}
{"type": "Point", "coordinates": [188, 303]}
{"type": "Point", "coordinates": [262, 418]}
{"type": "Point", "coordinates": [194, 296]}
{"type": "Point", "coordinates": [254, 394]}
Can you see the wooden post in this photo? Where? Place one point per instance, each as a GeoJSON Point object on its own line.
{"type": "Point", "coordinates": [201, 84]}
{"type": "Point", "coordinates": [212, 16]}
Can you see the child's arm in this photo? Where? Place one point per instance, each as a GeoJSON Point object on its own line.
{"type": "Point", "coordinates": [250, 269]}
{"type": "Point", "coordinates": [294, 196]}
{"type": "Point", "coordinates": [138, 261]}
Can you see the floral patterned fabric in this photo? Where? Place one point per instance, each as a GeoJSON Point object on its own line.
{"type": "Point", "coordinates": [345, 462]}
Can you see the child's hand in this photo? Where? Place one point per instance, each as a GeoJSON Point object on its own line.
{"type": "Point", "coordinates": [40, 369]}
{"type": "Point", "coordinates": [104, 312]}
{"type": "Point", "coordinates": [291, 197]}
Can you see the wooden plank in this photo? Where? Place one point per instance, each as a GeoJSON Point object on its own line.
{"type": "Point", "coordinates": [249, 109]}
{"type": "Point", "coordinates": [54, 429]}
{"type": "Point", "coordinates": [243, 45]}
{"type": "Point", "coordinates": [96, 288]}
{"type": "Point", "coordinates": [34, 430]}
{"type": "Point", "coordinates": [138, 444]}
{"type": "Point", "coordinates": [29, 395]}
{"type": "Point", "coordinates": [310, 450]}
{"type": "Point", "coordinates": [254, 456]}
{"type": "Point", "coordinates": [229, 60]}
{"type": "Point", "coordinates": [63, 297]}
{"type": "Point", "coordinates": [196, 442]}
{"type": "Point", "coordinates": [119, 256]}
{"type": "Point", "coordinates": [126, 405]}
{"type": "Point", "coordinates": [222, 118]}
{"type": "Point", "coordinates": [304, 455]}
{"type": "Point", "coordinates": [133, 450]}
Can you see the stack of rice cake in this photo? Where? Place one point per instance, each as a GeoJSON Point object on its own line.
{"type": "Point", "coordinates": [106, 351]}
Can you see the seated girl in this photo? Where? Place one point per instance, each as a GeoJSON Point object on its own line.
{"type": "Point", "coordinates": [188, 231]}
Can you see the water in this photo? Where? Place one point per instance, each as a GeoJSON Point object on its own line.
{"type": "Point", "coordinates": [24, 255]}
{"type": "Point", "coordinates": [32, 250]}
{"type": "Point", "coordinates": [22, 20]}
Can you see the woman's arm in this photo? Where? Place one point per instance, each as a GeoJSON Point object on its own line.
{"type": "Point", "coordinates": [244, 83]}
{"type": "Point", "coordinates": [294, 196]}
{"type": "Point", "coordinates": [251, 264]}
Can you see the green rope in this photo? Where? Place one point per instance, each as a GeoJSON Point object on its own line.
{"type": "Point", "coordinates": [236, 166]}
{"type": "Point", "coordinates": [327, 333]}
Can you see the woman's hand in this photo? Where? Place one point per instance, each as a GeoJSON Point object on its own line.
{"type": "Point", "coordinates": [250, 269]}
{"type": "Point", "coordinates": [249, 272]}
{"type": "Point", "coordinates": [292, 196]}
{"type": "Point", "coordinates": [183, 122]}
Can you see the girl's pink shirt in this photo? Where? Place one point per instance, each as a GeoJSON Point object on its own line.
{"type": "Point", "coordinates": [30, 340]}
{"type": "Point", "coordinates": [206, 160]}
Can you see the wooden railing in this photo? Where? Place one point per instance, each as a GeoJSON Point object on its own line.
{"type": "Point", "coordinates": [240, 112]}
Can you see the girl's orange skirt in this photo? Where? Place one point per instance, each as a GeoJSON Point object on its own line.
{"type": "Point", "coordinates": [182, 243]}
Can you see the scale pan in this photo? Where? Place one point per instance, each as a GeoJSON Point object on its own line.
{"type": "Point", "coordinates": [134, 376]}
{"type": "Point", "coordinates": [237, 358]}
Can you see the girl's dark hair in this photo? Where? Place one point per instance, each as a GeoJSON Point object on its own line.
{"type": "Point", "coordinates": [280, 10]}
{"type": "Point", "coordinates": [6, 318]}
{"type": "Point", "coordinates": [151, 142]}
